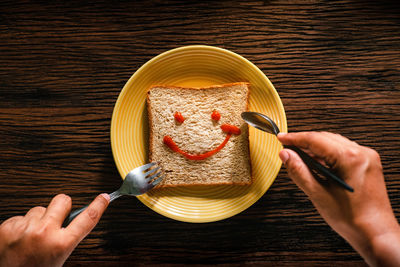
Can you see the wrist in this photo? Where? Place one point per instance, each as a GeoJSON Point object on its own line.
{"type": "Point", "coordinates": [378, 240]}
{"type": "Point", "coordinates": [384, 249]}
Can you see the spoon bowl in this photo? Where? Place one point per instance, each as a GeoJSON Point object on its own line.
{"type": "Point", "coordinates": [261, 122]}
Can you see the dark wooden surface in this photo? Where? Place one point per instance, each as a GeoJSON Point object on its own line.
{"type": "Point", "coordinates": [335, 64]}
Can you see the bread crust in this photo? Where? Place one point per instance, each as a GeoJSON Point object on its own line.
{"type": "Point", "coordinates": [200, 88]}
{"type": "Point", "coordinates": [150, 120]}
{"type": "Point", "coordinates": [151, 131]}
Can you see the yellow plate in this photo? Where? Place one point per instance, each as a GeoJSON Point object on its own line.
{"type": "Point", "coordinates": [197, 66]}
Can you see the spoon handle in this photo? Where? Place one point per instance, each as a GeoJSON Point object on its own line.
{"type": "Point", "coordinates": [316, 166]}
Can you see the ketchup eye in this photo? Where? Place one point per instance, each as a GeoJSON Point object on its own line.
{"type": "Point", "coordinates": [215, 115]}
{"type": "Point", "coordinates": [178, 117]}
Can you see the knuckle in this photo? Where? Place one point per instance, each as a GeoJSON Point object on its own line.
{"type": "Point", "coordinates": [5, 228]}
{"type": "Point", "coordinates": [48, 222]}
{"type": "Point", "coordinates": [11, 221]}
{"type": "Point", "coordinates": [298, 173]}
{"type": "Point", "coordinates": [362, 156]}
{"type": "Point", "coordinates": [38, 233]}
{"type": "Point", "coordinates": [373, 154]}
{"type": "Point", "coordinates": [296, 169]}
{"type": "Point", "coordinates": [374, 159]}
{"type": "Point", "coordinates": [38, 209]}
{"type": "Point", "coordinates": [35, 213]}
{"type": "Point", "coordinates": [12, 230]}
{"type": "Point", "coordinates": [352, 152]}
{"type": "Point", "coordinates": [19, 228]}
{"type": "Point", "coordinates": [308, 138]}
{"type": "Point", "coordinates": [93, 215]}
{"type": "Point", "coordinates": [353, 155]}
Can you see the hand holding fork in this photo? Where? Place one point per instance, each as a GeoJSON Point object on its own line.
{"type": "Point", "coordinates": [136, 182]}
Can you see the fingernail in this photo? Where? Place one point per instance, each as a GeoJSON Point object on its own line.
{"type": "Point", "coordinates": [106, 196]}
{"type": "Point", "coordinates": [284, 155]}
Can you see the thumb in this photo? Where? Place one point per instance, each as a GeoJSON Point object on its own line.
{"type": "Point", "coordinates": [299, 172]}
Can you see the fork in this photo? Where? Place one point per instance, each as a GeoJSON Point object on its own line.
{"type": "Point", "coordinates": [136, 182]}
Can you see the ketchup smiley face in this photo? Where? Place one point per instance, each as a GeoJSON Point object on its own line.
{"type": "Point", "coordinates": [226, 128]}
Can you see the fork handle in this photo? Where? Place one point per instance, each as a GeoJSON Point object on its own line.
{"type": "Point", "coordinates": [113, 196]}
{"type": "Point", "coordinates": [72, 215]}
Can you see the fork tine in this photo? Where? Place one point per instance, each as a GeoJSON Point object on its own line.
{"type": "Point", "coordinates": [156, 181]}
{"type": "Point", "coordinates": [145, 167]}
{"type": "Point", "coordinates": [151, 171]}
{"type": "Point", "coordinates": [153, 176]}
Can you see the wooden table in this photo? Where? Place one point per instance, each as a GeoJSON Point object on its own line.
{"type": "Point", "coordinates": [335, 65]}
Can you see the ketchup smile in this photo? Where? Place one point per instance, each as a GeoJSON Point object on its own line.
{"type": "Point", "coordinates": [226, 128]}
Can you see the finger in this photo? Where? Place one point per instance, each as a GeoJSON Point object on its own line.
{"type": "Point", "coordinates": [35, 213]}
{"type": "Point", "coordinates": [300, 173]}
{"type": "Point", "coordinates": [87, 220]}
{"type": "Point", "coordinates": [11, 230]}
{"type": "Point", "coordinates": [11, 221]}
{"type": "Point", "coordinates": [58, 209]}
{"type": "Point", "coordinates": [324, 145]}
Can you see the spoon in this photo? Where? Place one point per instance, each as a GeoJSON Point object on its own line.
{"type": "Point", "coordinates": [264, 123]}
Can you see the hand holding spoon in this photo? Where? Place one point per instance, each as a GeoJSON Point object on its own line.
{"type": "Point", "coordinates": [264, 123]}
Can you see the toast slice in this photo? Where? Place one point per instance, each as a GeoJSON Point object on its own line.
{"type": "Point", "coordinates": [189, 129]}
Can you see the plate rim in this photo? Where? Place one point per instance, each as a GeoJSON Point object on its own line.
{"type": "Point", "coordinates": [125, 88]}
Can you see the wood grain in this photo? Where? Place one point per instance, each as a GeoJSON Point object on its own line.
{"type": "Point", "coordinates": [335, 65]}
